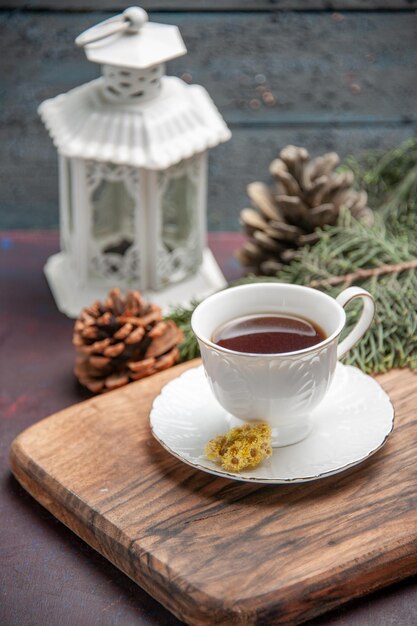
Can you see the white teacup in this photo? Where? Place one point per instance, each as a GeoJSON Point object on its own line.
{"type": "Point", "coordinates": [282, 389]}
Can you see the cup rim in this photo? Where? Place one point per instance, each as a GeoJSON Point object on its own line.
{"type": "Point", "coordinates": [269, 355]}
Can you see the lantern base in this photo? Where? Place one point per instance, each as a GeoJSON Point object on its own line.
{"type": "Point", "coordinates": [70, 298]}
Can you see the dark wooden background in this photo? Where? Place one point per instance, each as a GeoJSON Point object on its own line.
{"type": "Point", "coordinates": [342, 74]}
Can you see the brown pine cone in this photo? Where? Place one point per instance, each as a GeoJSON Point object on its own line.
{"type": "Point", "coordinates": [121, 340]}
{"type": "Point", "coordinates": [308, 194]}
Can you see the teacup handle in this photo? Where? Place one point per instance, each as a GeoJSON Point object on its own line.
{"type": "Point", "coordinates": [365, 320]}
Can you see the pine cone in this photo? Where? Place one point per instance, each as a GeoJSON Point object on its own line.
{"type": "Point", "coordinates": [308, 194]}
{"type": "Point", "coordinates": [121, 340]}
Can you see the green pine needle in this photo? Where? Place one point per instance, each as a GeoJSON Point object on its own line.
{"type": "Point", "coordinates": [182, 317]}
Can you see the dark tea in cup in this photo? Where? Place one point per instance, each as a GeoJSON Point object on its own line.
{"type": "Point", "coordinates": [268, 333]}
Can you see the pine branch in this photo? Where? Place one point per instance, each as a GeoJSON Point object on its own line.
{"type": "Point", "coordinates": [182, 317]}
{"type": "Point", "coordinates": [382, 174]}
{"type": "Point", "coordinates": [348, 279]}
{"type": "Point", "coordinates": [352, 249]}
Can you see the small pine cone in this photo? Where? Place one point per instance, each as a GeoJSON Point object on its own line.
{"type": "Point", "coordinates": [308, 194]}
{"type": "Point", "coordinates": [121, 340]}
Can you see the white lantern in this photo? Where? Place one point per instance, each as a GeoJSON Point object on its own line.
{"type": "Point", "coordinates": [132, 151]}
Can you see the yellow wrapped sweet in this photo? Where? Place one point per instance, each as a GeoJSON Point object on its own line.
{"type": "Point", "coordinates": [241, 447]}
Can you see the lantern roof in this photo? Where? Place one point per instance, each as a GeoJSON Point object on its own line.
{"type": "Point", "coordinates": [129, 40]}
{"type": "Point", "coordinates": [180, 122]}
{"type": "Point", "coordinates": [133, 115]}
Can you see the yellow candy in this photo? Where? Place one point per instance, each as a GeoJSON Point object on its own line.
{"type": "Point", "coordinates": [241, 447]}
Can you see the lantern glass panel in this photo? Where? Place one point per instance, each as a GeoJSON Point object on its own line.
{"type": "Point", "coordinates": [179, 204]}
{"type": "Point", "coordinates": [112, 215]}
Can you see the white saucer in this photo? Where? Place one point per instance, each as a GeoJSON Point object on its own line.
{"type": "Point", "coordinates": [352, 423]}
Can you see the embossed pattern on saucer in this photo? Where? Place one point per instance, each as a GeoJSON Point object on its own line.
{"type": "Point", "coordinates": [352, 423]}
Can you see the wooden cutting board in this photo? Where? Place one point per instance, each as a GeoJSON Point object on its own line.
{"type": "Point", "coordinates": [215, 551]}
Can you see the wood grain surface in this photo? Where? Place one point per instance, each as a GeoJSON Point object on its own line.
{"type": "Point", "coordinates": [215, 551]}
{"type": "Point", "coordinates": [343, 82]}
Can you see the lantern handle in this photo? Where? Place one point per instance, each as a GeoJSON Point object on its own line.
{"type": "Point", "coordinates": [131, 21]}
